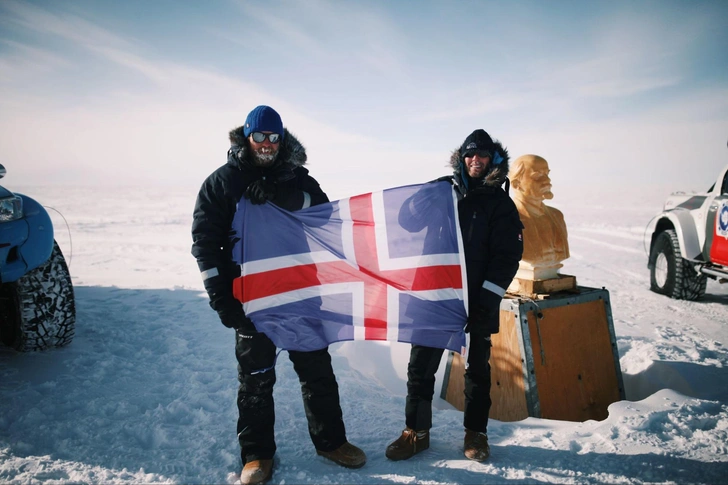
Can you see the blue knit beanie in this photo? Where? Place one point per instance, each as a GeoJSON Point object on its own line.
{"type": "Point", "coordinates": [263, 118]}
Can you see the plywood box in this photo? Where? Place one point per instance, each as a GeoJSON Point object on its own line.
{"type": "Point", "coordinates": [555, 358]}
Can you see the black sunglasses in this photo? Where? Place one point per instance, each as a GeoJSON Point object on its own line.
{"type": "Point", "coordinates": [480, 153]}
{"type": "Point", "coordinates": [259, 137]}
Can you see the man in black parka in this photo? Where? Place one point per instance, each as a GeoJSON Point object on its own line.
{"type": "Point", "coordinates": [264, 163]}
{"type": "Point", "coordinates": [493, 244]}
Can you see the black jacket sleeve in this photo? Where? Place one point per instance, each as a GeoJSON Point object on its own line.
{"type": "Point", "coordinates": [213, 236]}
{"type": "Point", "coordinates": [504, 248]}
{"type": "Point", "coordinates": [505, 244]}
{"type": "Point", "coordinates": [211, 244]}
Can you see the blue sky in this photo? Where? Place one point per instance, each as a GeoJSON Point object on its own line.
{"type": "Point", "coordinates": [379, 92]}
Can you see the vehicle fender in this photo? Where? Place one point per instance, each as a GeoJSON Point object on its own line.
{"type": "Point", "coordinates": [12, 235]}
{"type": "Point", "coordinates": [686, 232]}
{"type": "Point", "coordinates": [38, 247]}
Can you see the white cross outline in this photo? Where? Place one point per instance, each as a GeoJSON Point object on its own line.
{"type": "Point", "coordinates": [356, 289]}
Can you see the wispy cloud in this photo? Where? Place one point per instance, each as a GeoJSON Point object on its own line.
{"type": "Point", "coordinates": [176, 79]}
{"type": "Point", "coordinates": [67, 26]}
{"type": "Point", "coordinates": [146, 115]}
{"type": "Point", "coordinates": [180, 83]}
{"type": "Point", "coordinates": [631, 53]}
{"type": "Point", "coordinates": [298, 37]}
{"type": "Point", "coordinates": [628, 54]}
{"type": "Point", "coordinates": [23, 61]}
{"type": "Point", "coordinates": [347, 32]}
{"type": "Point", "coordinates": [170, 128]}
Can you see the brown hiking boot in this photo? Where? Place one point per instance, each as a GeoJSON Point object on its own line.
{"type": "Point", "coordinates": [408, 445]}
{"type": "Point", "coordinates": [346, 455]}
{"type": "Point", "coordinates": [476, 446]}
{"type": "Point", "coordinates": [256, 471]}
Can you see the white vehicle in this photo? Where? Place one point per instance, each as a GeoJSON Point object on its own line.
{"type": "Point", "coordinates": [690, 242]}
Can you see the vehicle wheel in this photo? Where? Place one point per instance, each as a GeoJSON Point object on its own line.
{"type": "Point", "coordinates": [672, 275]}
{"type": "Point", "coordinates": [39, 310]}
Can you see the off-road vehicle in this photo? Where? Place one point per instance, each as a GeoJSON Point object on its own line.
{"type": "Point", "coordinates": [689, 242]}
{"type": "Point", "coordinates": [37, 306]}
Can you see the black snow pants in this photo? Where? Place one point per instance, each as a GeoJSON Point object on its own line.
{"type": "Point", "coordinates": [256, 356]}
{"type": "Point", "coordinates": [421, 370]}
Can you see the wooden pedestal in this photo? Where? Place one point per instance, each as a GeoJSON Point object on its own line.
{"type": "Point", "coordinates": [555, 359]}
{"type": "Point", "coordinates": [537, 288]}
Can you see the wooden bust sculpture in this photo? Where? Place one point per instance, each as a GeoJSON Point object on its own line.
{"type": "Point", "coordinates": [545, 242]}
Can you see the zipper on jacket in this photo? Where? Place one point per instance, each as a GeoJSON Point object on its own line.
{"type": "Point", "coordinates": [472, 224]}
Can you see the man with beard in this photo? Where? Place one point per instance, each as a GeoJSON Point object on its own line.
{"type": "Point", "coordinates": [492, 243]}
{"type": "Point", "coordinates": [264, 163]}
{"type": "Point", "coordinates": [545, 236]}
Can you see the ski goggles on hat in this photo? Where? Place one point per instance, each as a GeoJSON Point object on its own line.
{"type": "Point", "coordinates": [259, 137]}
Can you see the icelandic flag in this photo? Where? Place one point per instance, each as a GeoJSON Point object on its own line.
{"type": "Point", "coordinates": [386, 265]}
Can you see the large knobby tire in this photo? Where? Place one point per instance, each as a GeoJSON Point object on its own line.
{"type": "Point", "coordinates": [39, 310]}
{"type": "Point", "coordinates": [672, 275]}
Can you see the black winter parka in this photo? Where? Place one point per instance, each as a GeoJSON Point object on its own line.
{"type": "Point", "coordinates": [493, 245]}
{"type": "Point", "coordinates": [492, 238]}
{"type": "Point", "coordinates": [217, 203]}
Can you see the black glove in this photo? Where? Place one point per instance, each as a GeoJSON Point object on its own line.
{"type": "Point", "coordinates": [233, 316]}
{"type": "Point", "coordinates": [484, 315]}
{"type": "Point", "coordinates": [477, 318]}
{"type": "Point", "coordinates": [260, 191]}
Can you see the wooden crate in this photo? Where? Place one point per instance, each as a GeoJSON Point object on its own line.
{"type": "Point", "coordinates": [554, 358]}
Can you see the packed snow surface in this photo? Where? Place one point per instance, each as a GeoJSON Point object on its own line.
{"type": "Point", "coordinates": [146, 391]}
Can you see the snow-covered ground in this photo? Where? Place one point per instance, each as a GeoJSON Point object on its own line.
{"type": "Point", "coordinates": [146, 391]}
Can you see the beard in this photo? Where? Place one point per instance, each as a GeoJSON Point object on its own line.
{"type": "Point", "coordinates": [264, 157]}
{"type": "Point", "coordinates": [477, 173]}
{"type": "Point", "coordinates": [546, 192]}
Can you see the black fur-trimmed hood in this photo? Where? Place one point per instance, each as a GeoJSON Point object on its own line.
{"type": "Point", "coordinates": [291, 151]}
{"type": "Point", "coordinates": [496, 174]}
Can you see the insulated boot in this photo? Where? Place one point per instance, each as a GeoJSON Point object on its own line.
{"type": "Point", "coordinates": [256, 471]}
{"type": "Point", "coordinates": [409, 444]}
{"type": "Point", "coordinates": [476, 446]}
{"type": "Point", "coordinates": [346, 455]}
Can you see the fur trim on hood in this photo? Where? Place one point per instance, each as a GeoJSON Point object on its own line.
{"type": "Point", "coordinates": [290, 152]}
{"type": "Point", "coordinates": [496, 174]}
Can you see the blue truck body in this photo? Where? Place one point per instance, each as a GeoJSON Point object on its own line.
{"type": "Point", "coordinates": [25, 243]}
{"type": "Point", "coordinates": [37, 302]}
